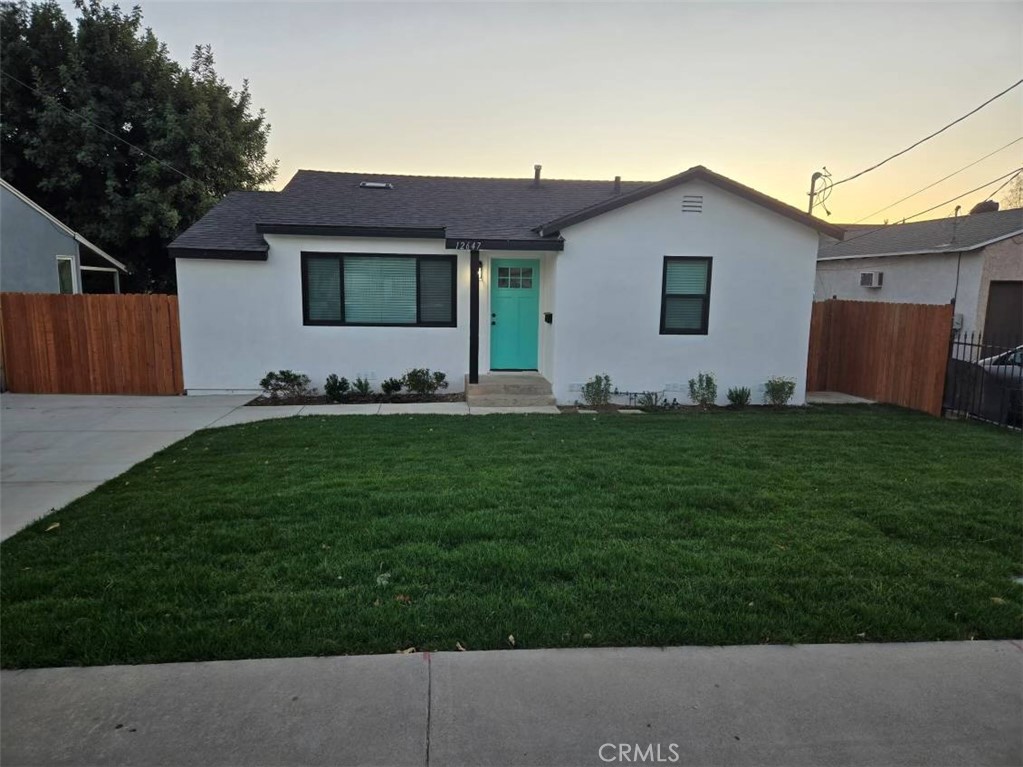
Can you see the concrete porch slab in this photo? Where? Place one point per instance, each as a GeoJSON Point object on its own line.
{"type": "Point", "coordinates": [835, 398]}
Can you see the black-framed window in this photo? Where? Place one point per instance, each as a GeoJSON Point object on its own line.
{"type": "Point", "coordinates": [379, 289]}
{"type": "Point", "coordinates": [685, 295]}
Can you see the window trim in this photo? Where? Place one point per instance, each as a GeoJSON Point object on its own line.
{"type": "Point", "coordinates": [307, 256]}
{"type": "Point", "coordinates": [705, 319]}
{"type": "Point", "coordinates": [76, 287]}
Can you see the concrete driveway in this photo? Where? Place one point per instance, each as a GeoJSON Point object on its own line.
{"type": "Point", "coordinates": [57, 447]}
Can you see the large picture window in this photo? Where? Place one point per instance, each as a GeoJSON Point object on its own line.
{"type": "Point", "coordinates": [378, 289]}
{"type": "Point", "coordinates": [685, 296]}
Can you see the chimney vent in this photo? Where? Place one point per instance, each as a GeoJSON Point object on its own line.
{"type": "Point", "coordinates": [536, 175]}
{"type": "Point", "coordinates": [618, 184]}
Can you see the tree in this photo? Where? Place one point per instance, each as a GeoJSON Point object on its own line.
{"type": "Point", "coordinates": [1013, 197]}
{"type": "Point", "coordinates": [103, 129]}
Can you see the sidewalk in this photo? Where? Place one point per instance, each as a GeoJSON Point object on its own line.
{"type": "Point", "coordinates": [870, 704]}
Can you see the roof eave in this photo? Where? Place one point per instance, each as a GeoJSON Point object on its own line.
{"type": "Point", "coordinates": [926, 251]}
{"type": "Point", "coordinates": [219, 254]}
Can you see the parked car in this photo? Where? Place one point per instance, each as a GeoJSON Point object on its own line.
{"type": "Point", "coordinates": [990, 388]}
{"type": "Point", "coordinates": [1007, 370]}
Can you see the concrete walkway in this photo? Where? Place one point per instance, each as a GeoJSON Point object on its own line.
{"type": "Point", "coordinates": [58, 447]}
{"type": "Point", "coordinates": [926, 704]}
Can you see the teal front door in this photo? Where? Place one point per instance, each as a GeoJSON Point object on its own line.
{"type": "Point", "coordinates": [514, 314]}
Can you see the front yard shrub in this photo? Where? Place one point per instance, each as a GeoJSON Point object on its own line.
{"type": "Point", "coordinates": [391, 386]}
{"type": "Point", "coordinates": [362, 386]}
{"type": "Point", "coordinates": [285, 383]}
{"type": "Point", "coordinates": [424, 382]}
{"type": "Point", "coordinates": [779, 390]}
{"type": "Point", "coordinates": [703, 390]}
{"type": "Point", "coordinates": [336, 388]}
{"type": "Point", "coordinates": [597, 391]}
{"type": "Point", "coordinates": [739, 396]}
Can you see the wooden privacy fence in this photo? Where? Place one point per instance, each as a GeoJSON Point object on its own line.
{"type": "Point", "coordinates": [893, 353]}
{"type": "Point", "coordinates": [91, 344]}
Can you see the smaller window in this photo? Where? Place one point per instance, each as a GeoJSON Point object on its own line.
{"type": "Point", "coordinates": [66, 274]}
{"type": "Point", "coordinates": [685, 296]}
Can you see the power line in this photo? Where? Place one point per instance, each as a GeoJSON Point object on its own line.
{"type": "Point", "coordinates": [946, 178]}
{"type": "Point", "coordinates": [928, 138]}
{"type": "Point", "coordinates": [995, 193]}
{"type": "Point", "coordinates": [100, 127]}
{"type": "Point", "coordinates": [1012, 173]}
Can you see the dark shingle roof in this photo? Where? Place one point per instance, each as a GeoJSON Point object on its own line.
{"type": "Point", "coordinates": [457, 207]}
{"type": "Point", "coordinates": [943, 235]}
{"type": "Point", "coordinates": [230, 225]}
{"type": "Point", "coordinates": [497, 208]}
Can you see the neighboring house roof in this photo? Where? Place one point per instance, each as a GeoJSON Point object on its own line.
{"type": "Point", "coordinates": [943, 235]}
{"type": "Point", "coordinates": [63, 227]}
{"type": "Point", "coordinates": [496, 211]}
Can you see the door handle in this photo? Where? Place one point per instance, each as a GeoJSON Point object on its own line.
{"type": "Point", "coordinates": [492, 322]}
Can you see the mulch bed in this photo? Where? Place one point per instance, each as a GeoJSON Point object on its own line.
{"type": "Point", "coordinates": [357, 399]}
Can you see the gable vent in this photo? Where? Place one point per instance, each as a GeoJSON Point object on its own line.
{"type": "Point", "coordinates": [692, 203]}
{"type": "Point", "coordinates": [375, 185]}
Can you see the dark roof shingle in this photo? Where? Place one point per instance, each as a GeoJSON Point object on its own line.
{"type": "Point", "coordinates": [942, 235]}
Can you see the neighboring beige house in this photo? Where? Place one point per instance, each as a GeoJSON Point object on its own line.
{"type": "Point", "coordinates": [974, 261]}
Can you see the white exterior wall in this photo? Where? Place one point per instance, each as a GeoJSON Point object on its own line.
{"type": "Point", "coordinates": [240, 319]}
{"type": "Point", "coordinates": [608, 296]}
{"type": "Point", "coordinates": [915, 279]}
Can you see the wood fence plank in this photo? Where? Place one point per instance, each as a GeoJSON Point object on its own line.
{"type": "Point", "coordinates": [894, 353]}
{"type": "Point", "coordinates": [91, 344]}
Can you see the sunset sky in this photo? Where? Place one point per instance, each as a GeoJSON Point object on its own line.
{"type": "Point", "coordinates": [763, 92]}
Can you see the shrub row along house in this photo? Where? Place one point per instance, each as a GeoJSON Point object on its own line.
{"type": "Point", "coordinates": [371, 274]}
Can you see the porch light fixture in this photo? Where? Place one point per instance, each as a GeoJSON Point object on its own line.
{"type": "Point", "coordinates": [479, 271]}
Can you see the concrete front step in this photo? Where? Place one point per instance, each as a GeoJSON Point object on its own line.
{"type": "Point", "coordinates": [509, 384]}
{"type": "Point", "coordinates": [510, 400]}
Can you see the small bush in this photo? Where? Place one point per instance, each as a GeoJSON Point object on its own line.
{"type": "Point", "coordinates": [285, 383]}
{"type": "Point", "coordinates": [703, 390]}
{"type": "Point", "coordinates": [649, 399]}
{"type": "Point", "coordinates": [363, 387]}
{"type": "Point", "coordinates": [391, 386]}
{"type": "Point", "coordinates": [336, 388]}
{"type": "Point", "coordinates": [739, 396]}
{"type": "Point", "coordinates": [779, 390]}
{"type": "Point", "coordinates": [423, 382]}
{"type": "Point", "coordinates": [597, 391]}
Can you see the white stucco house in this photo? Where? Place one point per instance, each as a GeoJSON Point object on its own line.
{"type": "Point", "coordinates": [370, 274]}
{"type": "Point", "coordinates": [973, 261]}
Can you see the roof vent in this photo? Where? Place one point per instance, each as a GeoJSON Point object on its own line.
{"type": "Point", "coordinates": [618, 184]}
{"type": "Point", "coordinates": [536, 175]}
{"type": "Point", "coordinates": [375, 185]}
{"type": "Point", "coordinates": [692, 203]}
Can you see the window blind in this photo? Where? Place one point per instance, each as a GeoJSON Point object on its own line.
{"type": "Point", "coordinates": [380, 290]}
{"type": "Point", "coordinates": [685, 296]}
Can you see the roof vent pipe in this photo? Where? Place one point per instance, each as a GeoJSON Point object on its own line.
{"type": "Point", "coordinates": [618, 184]}
{"type": "Point", "coordinates": [536, 175]}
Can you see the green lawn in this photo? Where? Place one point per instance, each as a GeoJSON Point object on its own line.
{"type": "Point", "coordinates": [373, 534]}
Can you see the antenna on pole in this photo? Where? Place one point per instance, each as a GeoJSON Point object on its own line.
{"type": "Point", "coordinates": [821, 175]}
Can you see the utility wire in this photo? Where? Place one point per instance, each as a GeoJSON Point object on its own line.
{"type": "Point", "coordinates": [100, 127]}
{"type": "Point", "coordinates": [995, 193]}
{"type": "Point", "coordinates": [1012, 174]}
{"type": "Point", "coordinates": [928, 138]}
{"type": "Point", "coordinates": [946, 178]}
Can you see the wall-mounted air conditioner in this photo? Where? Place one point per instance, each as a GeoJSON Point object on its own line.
{"type": "Point", "coordinates": [871, 279]}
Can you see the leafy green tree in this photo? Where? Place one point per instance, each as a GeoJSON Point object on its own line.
{"type": "Point", "coordinates": [103, 129]}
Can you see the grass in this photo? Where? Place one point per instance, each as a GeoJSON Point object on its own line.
{"type": "Point", "coordinates": [323, 535]}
